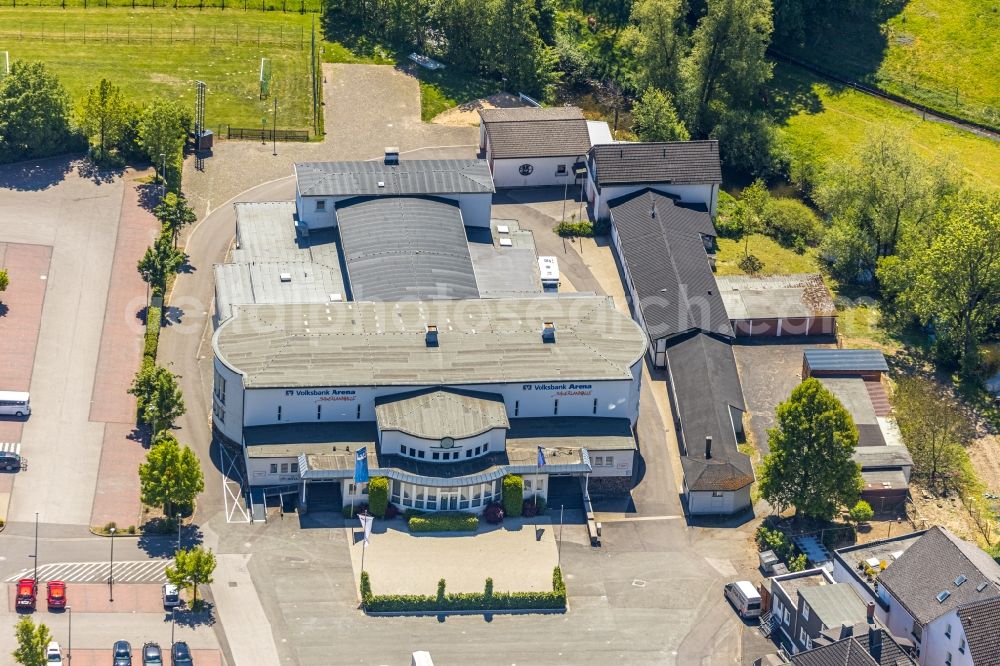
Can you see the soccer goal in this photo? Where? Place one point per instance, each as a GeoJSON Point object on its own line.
{"type": "Point", "coordinates": [265, 77]}
{"type": "Point", "coordinates": [4, 63]}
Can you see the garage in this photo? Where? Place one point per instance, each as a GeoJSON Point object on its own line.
{"type": "Point", "coordinates": [776, 306]}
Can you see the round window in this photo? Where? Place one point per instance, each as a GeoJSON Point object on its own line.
{"type": "Point", "coordinates": [525, 169]}
{"type": "Point", "coordinates": [447, 442]}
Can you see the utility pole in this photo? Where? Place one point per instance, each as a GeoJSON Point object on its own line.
{"type": "Point", "coordinates": [111, 571]}
{"type": "Point", "coordinates": [69, 653]}
{"type": "Point", "coordinates": [275, 133]}
{"type": "Point", "coordinates": [36, 548]}
{"type": "Point", "coordinates": [163, 175]}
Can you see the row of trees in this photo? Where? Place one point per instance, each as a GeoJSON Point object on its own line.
{"type": "Point", "coordinates": [38, 119]}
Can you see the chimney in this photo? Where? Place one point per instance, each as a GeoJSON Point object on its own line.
{"type": "Point", "coordinates": [391, 156]}
{"type": "Point", "coordinates": [871, 612]}
{"type": "Point", "coordinates": [708, 448]}
{"type": "Point", "coordinates": [548, 331]}
{"type": "Point", "coordinates": [431, 337]}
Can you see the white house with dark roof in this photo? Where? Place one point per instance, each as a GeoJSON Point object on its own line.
{"type": "Point", "coordinates": [924, 585]}
{"type": "Point", "coordinates": [688, 170]}
{"type": "Point", "coordinates": [321, 187]}
{"type": "Point", "coordinates": [533, 146]}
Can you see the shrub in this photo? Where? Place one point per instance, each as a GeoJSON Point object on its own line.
{"type": "Point", "coordinates": [391, 511]}
{"type": "Point", "coordinates": [493, 513]}
{"type": "Point", "coordinates": [862, 512]}
{"type": "Point", "coordinates": [153, 319]}
{"type": "Point", "coordinates": [727, 223]}
{"type": "Point", "coordinates": [533, 506]}
{"type": "Point", "coordinates": [352, 510]}
{"type": "Point", "coordinates": [513, 495]}
{"type": "Point", "coordinates": [444, 522]}
{"type": "Point", "coordinates": [797, 563]}
{"type": "Point", "coordinates": [792, 223]}
{"type": "Point", "coordinates": [110, 526]}
{"type": "Point", "coordinates": [378, 496]}
{"type": "Point", "coordinates": [750, 264]}
{"type": "Point", "coordinates": [412, 513]}
{"type": "Point", "coordinates": [768, 539]}
{"type": "Point", "coordinates": [487, 600]}
{"type": "Point", "coordinates": [573, 229]}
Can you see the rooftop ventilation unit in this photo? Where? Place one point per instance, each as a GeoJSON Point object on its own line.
{"type": "Point", "coordinates": [981, 586]}
{"type": "Point", "coordinates": [503, 229]}
{"type": "Point", "coordinates": [285, 277]}
{"type": "Point", "coordinates": [942, 596]}
{"type": "Point", "coordinates": [336, 298]}
{"type": "Point", "coordinates": [548, 332]}
{"type": "Point", "coordinates": [392, 156]}
{"type": "Point", "coordinates": [506, 242]}
{"type": "Point", "coordinates": [431, 336]}
{"type": "Point", "coordinates": [381, 183]}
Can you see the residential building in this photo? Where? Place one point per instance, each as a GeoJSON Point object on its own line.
{"type": "Point", "coordinates": [688, 170]}
{"type": "Point", "coordinates": [862, 644]}
{"type": "Point", "coordinates": [931, 587]}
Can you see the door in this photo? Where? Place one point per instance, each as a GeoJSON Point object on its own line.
{"type": "Point", "coordinates": [449, 500]}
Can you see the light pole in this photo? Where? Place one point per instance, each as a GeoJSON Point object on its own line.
{"type": "Point", "coordinates": [178, 531]}
{"type": "Point", "coordinates": [173, 616]}
{"type": "Point", "coordinates": [69, 653]}
{"type": "Point", "coordinates": [36, 548]}
{"type": "Point", "coordinates": [111, 570]}
{"type": "Point", "coordinates": [263, 130]}
{"type": "Point", "coordinates": [274, 134]}
{"type": "Point", "coordinates": [163, 175]}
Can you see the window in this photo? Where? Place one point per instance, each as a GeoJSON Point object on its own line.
{"type": "Point", "coordinates": [320, 205]}
{"type": "Point", "coordinates": [274, 468]}
{"type": "Point", "coordinates": [555, 408]}
{"type": "Point", "coordinates": [478, 449]}
{"type": "Point", "coordinates": [395, 490]}
{"type": "Point", "coordinates": [435, 456]}
{"type": "Point", "coordinates": [599, 461]}
{"type": "Point", "coordinates": [803, 636]}
{"type": "Point", "coordinates": [419, 504]}
{"type": "Point", "coordinates": [420, 454]}
{"type": "Point", "coordinates": [319, 411]}
{"type": "Point", "coordinates": [220, 388]}
{"type": "Point", "coordinates": [407, 497]}
{"type": "Point", "coordinates": [413, 452]}
{"type": "Point", "coordinates": [561, 170]}
{"type": "Point", "coordinates": [947, 630]}
{"type": "Point", "coordinates": [716, 493]}
{"type": "Point", "coordinates": [486, 447]}
{"type": "Point", "coordinates": [517, 407]}
{"type": "Point", "coordinates": [787, 617]}
{"type": "Point", "coordinates": [917, 632]}
{"type": "Point", "coordinates": [541, 485]}
{"type": "Point", "coordinates": [527, 484]}
{"type": "Point", "coordinates": [284, 468]}
{"type": "Point", "coordinates": [402, 449]}
{"type": "Point", "coordinates": [468, 453]}
{"type": "Point", "coordinates": [220, 413]}
{"type": "Point", "coordinates": [294, 468]}
{"type": "Point", "coordinates": [432, 498]}
{"type": "Point", "coordinates": [595, 405]}
{"type": "Point", "coordinates": [947, 660]}
{"type": "Point", "coordinates": [961, 645]}
{"type": "Point", "coordinates": [805, 606]}
{"type": "Point", "coordinates": [279, 412]}
{"type": "Point", "coordinates": [477, 495]}
{"type": "Point", "coordinates": [463, 499]}
{"type": "Point", "coordinates": [351, 489]}
{"type": "Point", "coordinates": [359, 412]}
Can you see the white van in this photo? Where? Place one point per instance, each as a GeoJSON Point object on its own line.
{"type": "Point", "coordinates": [14, 403]}
{"type": "Point", "coordinates": [171, 596]}
{"type": "Point", "coordinates": [744, 598]}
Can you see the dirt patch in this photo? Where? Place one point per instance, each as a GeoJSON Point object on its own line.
{"type": "Point", "coordinates": [468, 113]}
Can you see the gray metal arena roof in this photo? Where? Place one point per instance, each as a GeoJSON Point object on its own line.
{"type": "Point", "coordinates": [403, 248]}
{"type": "Point", "coordinates": [441, 412]}
{"type": "Point", "coordinates": [406, 178]}
{"type": "Point", "coordinates": [480, 341]}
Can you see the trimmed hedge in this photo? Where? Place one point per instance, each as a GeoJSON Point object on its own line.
{"type": "Point", "coordinates": [154, 317]}
{"type": "Point", "coordinates": [487, 600]}
{"type": "Point", "coordinates": [513, 495]}
{"type": "Point", "coordinates": [378, 495]}
{"type": "Point", "coordinates": [451, 521]}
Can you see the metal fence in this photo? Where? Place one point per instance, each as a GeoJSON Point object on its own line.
{"type": "Point", "coordinates": [105, 33]}
{"type": "Point", "coordinates": [300, 6]}
{"type": "Point", "coordinates": [259, 134]}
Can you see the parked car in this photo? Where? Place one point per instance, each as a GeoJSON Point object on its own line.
{"type": "Point", "coordinates": [744, 598]}
{"type": "Point", "coordinates": [26, 593]}
{"type": "Point", "coordinates": [180, 655]}
{"type": "Point", "coordinates": [53, 654]}
{"type": "Point", "coordinates": [171, 596]}
{"type": "Point", "coordinates": [151, 655]}
{"type": "Point", "coordinates": [10, 461]}
{"type": "Point", "coordinates": [56, 594]}
{"type": "Point", "coordinates": [122, 653]}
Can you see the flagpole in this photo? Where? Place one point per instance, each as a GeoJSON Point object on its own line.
{"type": "Point", "coordinates": [364, 544]}
{"type": "Point", "coordinates": [559, 545]}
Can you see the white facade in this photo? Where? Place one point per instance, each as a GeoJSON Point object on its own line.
{"type": "Point", "coordinates": [534, 171]}
{"type": "Point", "coordinates": [320, 212]}
{"type": "Point", "coordinates": [944, 642]}
{"type": "Point", "coordinates": [706, 503]}
{"type": "Point", "coordinates": [706, 194]}
{"type": "Point", "coordinates": [611, 463]}
{"type": "Point", "coordinates": [477, 446]}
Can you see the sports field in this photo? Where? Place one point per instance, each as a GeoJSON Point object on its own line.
{"type": "Point", "coordinates": [162, 52]}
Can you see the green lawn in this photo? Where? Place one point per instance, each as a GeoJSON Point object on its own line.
{"type": "Point", "coordinates": [162, 52]}
{"type": "Point", "coordinates": [777, 260]}
{"type": "Point", "coordinates": [941, 53]}
{"type": "Point", "coordinates": [829, 122]}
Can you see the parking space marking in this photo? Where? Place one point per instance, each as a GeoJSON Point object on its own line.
{"type": "Point", "coordinates": [144, 571]}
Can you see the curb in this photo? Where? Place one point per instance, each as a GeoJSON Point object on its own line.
{"type": "Point", "coordinates": [517, 611]}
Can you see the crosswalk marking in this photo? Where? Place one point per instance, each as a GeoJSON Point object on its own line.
{"type": "Point", "coordinates": [144, 571]}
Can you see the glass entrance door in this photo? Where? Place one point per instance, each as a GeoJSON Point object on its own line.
{"type": "Point", "coordinates": [449, 499]}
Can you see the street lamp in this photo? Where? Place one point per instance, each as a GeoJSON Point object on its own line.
{"type": "Point", "coordinates": [178, 531]}
{"type": "Point", "coordinates": [69, 653]}
{"type": "Point", "coordinates": [111, 571]}
{"type": "Point", "coordinates": [263, 130]}
{"type": "Point", "coordinates": [163, 175]}
{"type": "Point", "coordinates": [173, 616]}
{"type": "Point", "coordinates": [36, 548]}
{"type": "Point", "coordinates": [274, 134]}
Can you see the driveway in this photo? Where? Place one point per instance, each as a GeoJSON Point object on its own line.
{"type": "Point", "coordinates": [769, 372]}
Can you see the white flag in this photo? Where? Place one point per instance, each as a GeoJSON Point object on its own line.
{"type": "Point", "coordinates": [366, 525]}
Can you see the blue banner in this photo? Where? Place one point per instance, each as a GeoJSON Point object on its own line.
{"type": "Point", "coordinates": [541, 457]}
{"type": "Point", "coordinates": [361, 465]}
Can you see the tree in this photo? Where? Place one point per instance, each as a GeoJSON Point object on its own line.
{"type": "Point", "coordinates": [192, 567]}
{"type": "Point", "coordinates": [173, 213]}
{"type": "Point", "coordinates": [161, 132]}
{"type": "Point", "coordinates": [4, 280]}
{"type": "Point", "coordinates": [726, 66]}
{"type": "Point", "coordinates": [810, 467]}
{"type": "Point", "coordinates": [877, 198]}
{"type": "Point", "coordinates": [954, 281]}
{"type": "Point", "coordinates": [171, 477]}
{"type": "Point", "coordinates": [655, 119]}
{"type": "Point", "coordinates": [522, 57]}
{"type": "Point", "coordinates": [34, 113]}
{"type": "Point", "coordinates": [31, 642]}
{"type": "Point", "coordinates": [160, 262]}
{"type": "Point", "coordinates": [104, 114]}
{"type": "Point", "coordinates": [659, 38]}
{"type": "Point", "coordinates": [861, 512]}
{"type": "Point", "coordinates": [158, 396]}
{"type": "Point", "coordinates": [934, 429]}
{"type": "Point", "coordinates": [750, 210]}
{"type": "Point", "coordinates": [378, 495]}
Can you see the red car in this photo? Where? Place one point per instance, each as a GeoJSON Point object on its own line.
{"type": "Point", "coordinates": [26, 590]}
{"type": "Point", "coordinates": [56, 594]}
